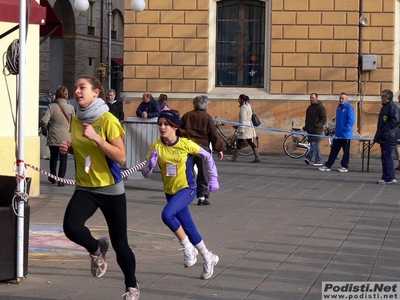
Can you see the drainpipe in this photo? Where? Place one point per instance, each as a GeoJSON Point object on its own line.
{"type": "Point", "coordinates": [360, 52]}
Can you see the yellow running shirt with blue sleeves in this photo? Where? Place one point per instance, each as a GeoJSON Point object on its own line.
{"type": "Point", "coordinates": [176, 164]}
{"type": "Point", "coordinates": [100, 170]}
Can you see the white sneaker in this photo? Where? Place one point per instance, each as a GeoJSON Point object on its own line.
{"type": "Point", "coordinates": [190, 257]}
{"type": "Point", "coordinates": [131, 294]}
{"type": "Point", "coordinates": [381, 181]}
{"type": "Point", "coordinates": [208, 267]}
{"type": "Point", "coordinates": [324, 169]}
{"type": "Point", "coordinates": [342, 170]}
{"type": "Point", "coordinates": [98, 263]}
{"type": "Point", "coordinates": [317, 164]}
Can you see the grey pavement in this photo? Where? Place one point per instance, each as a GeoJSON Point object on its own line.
{"type": "Point", "coordinates": [280, 227]}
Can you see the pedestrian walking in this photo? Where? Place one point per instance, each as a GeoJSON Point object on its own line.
{"type": "Point", "coordinates": [55, 125]}
{"type": "Point", "coordinates": [98, 148]}
{"type": "Point", "coordinates": [386, 135]}
{"type": "Point", "coordinates": [246, 132]}
{"type": "Point", "coordinates": [174, 154]}
{"type": "Point", "coordinates": [344, 131]}
{"type": "Point", "coordinates": [314, 125]}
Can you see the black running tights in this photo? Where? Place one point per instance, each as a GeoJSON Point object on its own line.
{"type": "Point", "coordinates": [81, 207]}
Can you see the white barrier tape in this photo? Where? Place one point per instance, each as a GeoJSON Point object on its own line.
{"type": "Point", "coordinates": [125, 173]}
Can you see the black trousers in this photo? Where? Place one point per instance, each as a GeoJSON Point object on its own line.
{"type": "Point", "coordinates": [202, 175]}
{"type": "Point", "coordinates": [54, 155]}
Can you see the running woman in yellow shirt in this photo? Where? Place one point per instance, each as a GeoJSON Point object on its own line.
{"type": "Point", "coordinates": [98, 148]}
{"type": "Point", "coordinates": [174, 154]}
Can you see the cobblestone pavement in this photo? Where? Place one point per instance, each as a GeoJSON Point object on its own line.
{"type": "Point", "coordinates": [280, 227]}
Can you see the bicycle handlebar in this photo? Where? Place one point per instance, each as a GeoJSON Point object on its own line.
{"type": "Point", "coordinates": [217, 123]}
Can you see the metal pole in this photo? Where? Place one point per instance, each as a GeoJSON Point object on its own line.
{"type": "Point", "coordinates": [21, 136]}
{"type": "Point", "coordinates": [101, 31]}
{"type": "Point", "coordinates": [109, 13]}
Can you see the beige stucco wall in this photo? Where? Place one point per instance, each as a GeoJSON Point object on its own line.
{"type": "Point", "coordinates": [9, 88]}
{"type": "Point", "coordinates": [311, 46]}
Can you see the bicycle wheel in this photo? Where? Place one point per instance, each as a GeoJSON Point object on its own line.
{"type": "Point", "coordinates": [246, 149]}
{"type": "Point", "coordinates": [296, 145]}
{"type": "Point", "coordinates": [230, 146]}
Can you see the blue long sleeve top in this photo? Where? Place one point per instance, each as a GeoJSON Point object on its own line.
{"type": "Point", "coordinates": [344, 120]}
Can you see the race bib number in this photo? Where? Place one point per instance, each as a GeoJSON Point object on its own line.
{"type": "Point", "coordinates": [171, 170]}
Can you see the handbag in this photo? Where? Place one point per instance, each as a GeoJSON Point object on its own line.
{"type": "Point", "coordinates": [255, 120]}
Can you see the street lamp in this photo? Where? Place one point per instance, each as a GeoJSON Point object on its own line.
{"type": "Point", "coordinates": [109, 6]}
{"type": "Point", "coordinates": [138, 5]}
{"type": "Point", "coordinates": [81, 5]}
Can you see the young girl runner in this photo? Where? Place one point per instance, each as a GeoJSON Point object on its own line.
{"type": "Point", "coordinates": [98, 148]}
{"type": "Point", "coordinates": [174, 154]}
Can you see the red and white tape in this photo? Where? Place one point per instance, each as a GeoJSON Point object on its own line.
{"type": "Point", "coordinates": [125, 173]}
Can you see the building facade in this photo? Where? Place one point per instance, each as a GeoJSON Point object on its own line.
{"type": "Point", "coordinates": [82, 44]}
{"type": "Point", "coordinates": [275, 51]}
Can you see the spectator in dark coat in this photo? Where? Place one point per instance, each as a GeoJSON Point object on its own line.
{"type": "Point", "coordinates": [386, 135]}
{"type": "Point", "coordinates": [149, 108]}
{"type": "Point", "coordinates": [315, 121]}
{"type": "Point", "coordinates": [396, 150]}
{"type": "Point", "coordinates": [115, 107]}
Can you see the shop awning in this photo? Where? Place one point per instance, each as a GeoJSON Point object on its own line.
{"type": "Point", "coordinates": [118, 61]}
{"type": "Point", "coordinates": [9, 12]}
{"type": "Point", "coordinates": [53, 25]}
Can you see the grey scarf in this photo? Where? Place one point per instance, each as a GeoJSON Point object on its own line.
{"type": "Point", "coordinates": [94, 111]}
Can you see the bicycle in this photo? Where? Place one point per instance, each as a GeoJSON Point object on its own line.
{"type": "Point", "coordinates": [231, 140]}
{"type": "Point", "coordinates": [296, 144]}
